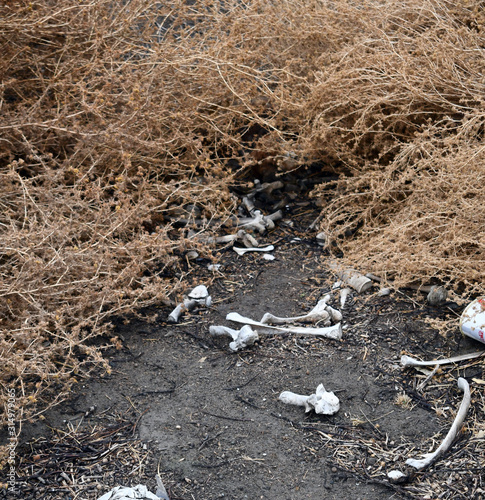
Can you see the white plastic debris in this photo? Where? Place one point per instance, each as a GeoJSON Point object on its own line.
{"type": "Point", "coordinates": [242, 338]}
{"type": "Point", "coordinates": [429, 458]}
{"type": "Point", "coordinates": [332, 332]}
{"type": "Point", "coordinates": [323, 402]}
{"type": "Point", "coordinates": [409, 361]}
{"type": "Point", "coordinates": [242, 251]}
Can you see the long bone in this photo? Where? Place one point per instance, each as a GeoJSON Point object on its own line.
{"type": "Point", "coordinates": [242, 251]}
{"type": "Point", "coordinates": [429, 458]}
{"type": "Point", "coordinates": [318, 313]}
{"type": "Point", "coordinates": [331, 332]}
{"type": "Point", "coordinates": [352, 277]}
{"type": "Point", "coordinates": [242, 338]}
{"type": "Point", "coordinates": [409, 361]}
{"type": "Point", "coordinates": [323, 402]}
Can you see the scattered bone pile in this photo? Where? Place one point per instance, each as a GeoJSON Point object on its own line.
{"type": "Point", "coordinates": [326, 321]}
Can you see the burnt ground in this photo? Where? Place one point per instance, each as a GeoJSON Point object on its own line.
{"type": "Point", "coordinates": [179, 402]}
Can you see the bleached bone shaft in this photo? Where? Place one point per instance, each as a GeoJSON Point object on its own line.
{"type": "Point", "coordinates": [429, 458]}
{"type": "Point", "coordinates": [242, 251]}
{"type": "Point", "coordinates": [353, 278]}
{"type": "Point", "coordinates": [174, 316]}
{"type": "Point", "coordinates": [318, 313]}
{"type": "Point", "coordinates": [409, 361]}
{"type": "Point", "coordinates": [223, 330]}
{"type": "Point", "coordinates": [332, 332]}
{"type": "Point", "coordinates": [291, 398]}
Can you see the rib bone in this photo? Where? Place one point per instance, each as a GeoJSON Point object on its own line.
{"type": "Point", "coordinates": [429, 458]}
{"type": "Point", "coordinates": [409, 361]}
{"type": "Point", "coordinates": [332, 332]}
{"type": "Point", "coordinates": [323, 402]}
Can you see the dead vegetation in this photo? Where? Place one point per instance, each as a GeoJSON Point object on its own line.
{"type": "Point", "coordinates": [119, 119]}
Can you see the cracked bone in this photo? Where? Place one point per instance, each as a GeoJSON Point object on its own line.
{"type": "Point", "coordinates": [429, 458]}
{"type": "Point", "coordinates": [199, 296]}
{"type": "Point", "coordinates": [323, 402]}
{"type": "Point", "coordinates": [242, 251]}
{"type": "Point", "coordinates": [260, 222]}
{"type": "Point", "coordinates": [409, 361]}
{"type": "Point", "coordinates": [139, 492]}
{"type": "Point", "coordinates": [242, 338]}
{"type": "Point", "coordinates": [318, 313]}
{"type": "Point", "coordinates": [247, 239]}
{"type": "Point", "coordinates": [352, 277]}
{"type": "Point", "coordinates": [331, 332]}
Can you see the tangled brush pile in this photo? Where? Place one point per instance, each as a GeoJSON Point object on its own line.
{"type": "Point", "coordinates": [118, 116]}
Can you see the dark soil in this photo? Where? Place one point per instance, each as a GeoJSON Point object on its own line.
{"type": "Point", "coordinates": [209, 420]}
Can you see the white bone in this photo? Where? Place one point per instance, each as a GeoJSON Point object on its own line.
{"type": "Point", "coordinates": [256, 223]}
{"type": "Point", "coordinates": [429, 458]}
{"type": "Point", "coordinates": [321, 239]}
{"type": "Point", "coordinates": [242, 251]}
{"type": "Point", "coordinates": [174, 316]}
{"type": "Point", "coordinates": [344, 293]}
{"type": "Point", "coordinates": [409, 361]}
{"type": "Point", "coordinates": [318, 313]}
{"type": "Point", "coordinates": [247, 239]}
{"type": "Point", "coordinates": [274, 216]}
{"type": "Point", "coordinates": [353, 278]}
{"type": "Point", "coordinates": [323, 402]}
{"type": "Point", "coordinates": [334, 314]}
{"type": "Point", "coordinates": [248, 204]}
{"type": "Point", "coordinates": [332, 332]}
{"type": "Point", "coordinates": [199, 295]}
{"type": "Point", "coordinates": [268, 256]}
{"type": "Point", "coordinates": [124, 493]}
{"type": "Point", "coordinates": [396, 475]}
{"type": "Point", "coordinates": [242, 338]}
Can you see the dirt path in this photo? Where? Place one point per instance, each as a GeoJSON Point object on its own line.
{"type": "Point", "coordinates": [210, 421]}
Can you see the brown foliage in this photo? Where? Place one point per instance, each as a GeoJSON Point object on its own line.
{"type": "Point", "coordinates": [115, 113]}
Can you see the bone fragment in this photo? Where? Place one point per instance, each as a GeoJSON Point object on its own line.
{"type": "Point", "coordinates": [429, 458]}
{"type": "Point", "coordinates": [248, 204]}
{"type": "Point", "coordinates": [354, 279]}
{"type": "Point", "coordinates": [344, 293]}
{"type": "Point", "coordinates": [318, 313]}
{"type": "Point", "coordinates": [199, 296]}
{"type": "Point", "coordinates": [174, 316]}
{"type": "Point", "coordinates": [242, 251]}
{"type": "Point", "coordinates": [138, 492]}
{"type": "Point", "coordinates": [437, 296]}
{"type": "Point", "coordinates": [247, 239]}
{"type": "Point", "coordinates": [409, 361]}
{"type": "Point", "coordinates": [321, 239]}
{"type": "Point", "coordinates": [257, 222]}
{"type": "Point", "coordinates": [268, 256]}
{"type": "Point", "coordinates": [242, 338]}
{"type": "Point", "coordinates": [335, 315]}
{"type": "Point", "coordinates": [161, 491]}
{"type": "Point", "coordinates": [323, 402]}
{"type": "Point", "coordinates": [396, 476]}
{"type": "Point", "coordinates": [332, 332]}
{"type": "Point", "coordinates": [384, 292]}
